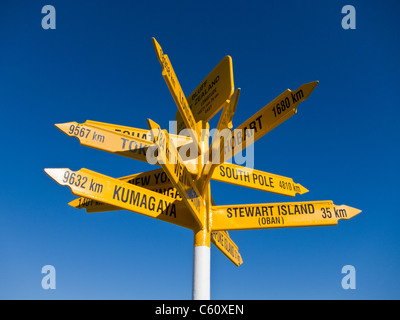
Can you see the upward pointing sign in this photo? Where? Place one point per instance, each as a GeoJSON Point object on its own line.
{"type": "Point", "coordinates": [178, 95]}
{"type": "Point", "coordinates": [211, 94]}
{"type": "Point", "coordinates": [168, 157]}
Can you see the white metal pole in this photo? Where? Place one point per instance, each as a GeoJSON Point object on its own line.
{"type": "Point", "coordinates": [201, 273]}
{"type": "Point", "coordinates": [201, 241]}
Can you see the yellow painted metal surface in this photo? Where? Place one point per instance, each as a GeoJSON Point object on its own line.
{"type": "Point", "coordinates": [106, 140]}
{"type": "Point", "coordinates": [158, 181]}
{"type": "Point", "coordinates": [211, 94]}
{"type": "Point", "coordinates": [225, 120]}
{"type": "Point", "coordinates": [225, 244]}
{"type": "Point", "coordinates": [155, 180]}
{"type": "Point", "coordinates": [257, 179]}
{"type": "Point", "coordinates": [202, 237]}
{"type": "Point", "coordinates": [105, 137]}
{"type": "Point", "coordinates": [98, 187]}
{"type": "Point", "coordinates": [170, 160]}
{"type": "Point", "coordinates": [177, 93]}
{"type": "Point", "coordinates": [143, 134]}
{"type": "Point", "coordinates": [223, 130]}
{"type": "Point", "coordinates": [273, 114]}
{"type": "Point", "coordinates": [279, 215]}
{"type": "Point", "coordinates": [224, 124]}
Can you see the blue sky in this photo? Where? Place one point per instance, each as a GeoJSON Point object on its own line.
{"type": "Point", "coordinates": [99, 64]}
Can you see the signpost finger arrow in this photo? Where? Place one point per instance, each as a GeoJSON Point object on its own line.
{"type": "Point", "coordinates": [279, 215]}
{"type": "Point", "coordinates": [155, 180]}
{"type": "Point", "coordinates": [93, 185]}
{"type": "Point", "coordinates": [257, 179]}
{"type": "Point", "coordinates": [211, 94]}
{"type": "Point", "coordinates": [177, 93]}
{"type": "Point", "coordinates": [143, 134]}
{"type": "Point", "coordinates": [225, 244]}
{"type": "Point", "coordinates": [106, 140]}
{"type": "Point", "coordinates": [170, 160]}
{"type": "Point", "coordinates": [273, 114]}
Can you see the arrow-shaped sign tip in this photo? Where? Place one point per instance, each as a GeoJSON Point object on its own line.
{"type": "Point", "coordinates": [153, 125]}
{"type": "Point", "coordinates": [308, 88]}
{"type": "Point", "coordinates": [303, 190]}
{"type": "Point", "coordinates": [345, 212]}
{"type": "Point", "coordinates": [60, 126]}
{"type": "Point", "coordinates": [66, 127]}
{"type": "Point", "coordinates": [55, 174]}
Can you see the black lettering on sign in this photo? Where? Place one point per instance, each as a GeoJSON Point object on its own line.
{"type": "Point", "coordinates": [254, 127]}
{"type": "Point", "coordinates": [85, 202]}
{"type": "Point", "coordinates": [234, 173]}
{"type": "Point", "coordinates": [95, 187]}
{"type": "Point", "coordinates": [281, 106]}
{"type": "Point", "coordinates": [296, 97]}
{"type": "Point", "coordinates": [133, 146]}
{"type": "Point", "coordinates": [340, 213]}
{"type": "Point", "coordinates": [98, 137]}
{"type": "Point", "coordinates": [296, 209]}
{"type": "Point", "coordinates": [78, 131]}
{"type": "Point", "coordinates": [262, 221]}
{"type": "Point", "coordinates": [74, 179]}
{"type": "Point", "coordinates": [143, 201]}
{"type": "Point", "coordinates": [263, 180]}
{"type": "Point", "coordinates": [248, 212]}
{"type": "Point", "coordinates": [133, 133]}
{"type": "Point", "coordinates": [161, 177]}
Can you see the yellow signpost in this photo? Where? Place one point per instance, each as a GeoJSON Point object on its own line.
{"type": "Point", "coordinates": [143, 134]}
{"type": "Point", "coordinates": [273, 114]}
{"type": "Point", "coordinates": [279, 215]}
{"type": "Point", "coordinates": [179, 192]}
{"type": "Point", "coordinates": [211, 94]}
{"type": "Point", "coordinates": [106, 140]}
{"type": "Point", "coordinates": [224, 243]}
{"type": "Point", "coordinates": [155, 180]}
{"type": "Point", "coordinates": [177, 93]}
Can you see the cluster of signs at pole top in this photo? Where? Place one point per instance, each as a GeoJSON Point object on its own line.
{"type": "Point", "coordinates": [179, 191]}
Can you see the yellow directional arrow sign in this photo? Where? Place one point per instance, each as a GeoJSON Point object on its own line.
{"type": "Point", "coordinates": [177, 93]}
{"type": "Point", "coordinates": [211, 94]}
{"type": "Point", "coordinates": [143, 134]}
{"type": "Point", "coordinates": [256, 179]}
{"type": "Point", "coordinates": [106, 140]}
{"type": "Point", "coordinates": [170, 160]}
{"type": "Point", "coordinates": [222, 133]}
{"type": "Point", "coordinates": [279, 215]}
{"type": "Point", "coordinates": [89, 184]}
{"type": "Point", "coordinates": [155, 180]}
{"type": "Point", "coordinates": [273, 114]}
{"type": "Point", "coordinates": [224, 243]}
{"type": "Point", "coordinates": [133, 132]}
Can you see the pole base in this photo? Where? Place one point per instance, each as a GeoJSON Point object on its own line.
{"type": "Point", "coordinates": [201, 273]}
